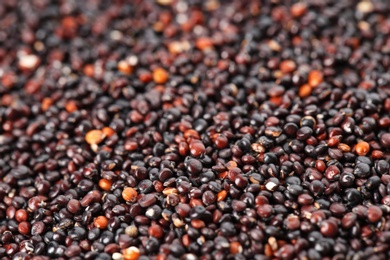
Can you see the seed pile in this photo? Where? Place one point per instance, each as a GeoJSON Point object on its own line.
{"type": "Point", "coordinates": [175, 129]}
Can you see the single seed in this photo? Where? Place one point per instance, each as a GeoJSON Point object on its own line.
{"type": "Point", "coordinates": [362, 148]}
{"type": "Point", "coordinates": [129, 194]}
{"type": "Point", "coordinates": [160, 76]}
{"type": "Point", "coordinates": [204, 43]}
{"type": "Point", "coordinates": [235, 248]}
{"type": "Point", "coordinates": [24, 228]}
{"type": "Point", "coordinates": [329, 228]}
{"type": "Point", "coordinates": [298, 9]}
{"type": "Point", "coordinates": [21, 215]}
{"type": "Point", "coordinates": [71, 106]}
{"type": "Point", "coordinates": [156, 231]}
{"type": "Point", "coordinates": [287, 66]}
{"type": "Point", "coordinates": [221, 195]}
{"type": "Point", "coordinates": [125, 67]}
{"type": "Point", "coordinates": [101, 222]}
{"type": "Point", "coordinates": [132, 231]}
{"type": "Point", "coordinates": [314, 78]}
{"type": "Point", "coordinates": [46, 103]}
{"type": "Point", "coordinates": [374, 214]}
{"type": "Point", "coordinates": [304, 91]}
{"type": "Point", "coordinates": [131, 253]}
{"type": "Point", "coordinates": [105, 184]}
{"type": "Point", "coordinates": [94, 137]}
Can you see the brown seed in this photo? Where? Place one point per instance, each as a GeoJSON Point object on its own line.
{"type": "Point", "coordinates": [320, 165]}
{"type": "Point", "coordinates": [197, 223]}
{"type": "Point", "coordinates": [46, 103]}
{"type": "Point", "coordinates": [231, 164]}
{"type": "Point", "coordinates": [374, 214]}
{"type": "Point", "coordinates": [108, 131]}
{"type": "Point", "coordinates": [362, 148]}
{"type": "Point", "coordinates": [125, 67]}
{"type": "Point", "coordinates": [101, 222]}
{"type": "Point", "coordinates": [268, 250]}
{"type": "Point", "coordinates": [315, 77]}
{"type": "Point", "coordinates": [169, 190]}
{"type": "Point", "coordinates": [221, 142]}
{"type": "Point", "coordinates": [105, 184]}
{"type": "Point", "coordinates": [298, 9]}
{"type": "Point", "coordinates": [287, 66]}
{"type": "Point", "coordinates": [304, 91]}
{"type": "Point", "coordinates": [190, 134]}
{"type": "Point", "coordinates": [186, 240]}
{"type": "Point", "coordinates": [131, 253]}
{"type": "Point", "coordinates": [265, 211]}
{"type": "Point", "coordinates": [73, 206]}
{"type": "Point", "coordinates": [337, 209]}
{"type": "Point", "coordinates": [196, 148]}
{"type": "Point", "coordinates": [160, 76]}
{"type": "Point", "coordinates": [344, 147]}
{"type": "Point", "coordinates": [177, 47]}
{"type": "Point", "coordinates": [317, 217]}
{"type": "Point", "coordinates": [292, 222]}
{"type": "Point", "coordinates": [329, 228]}
{"type": "Point", "coordinates": [28, 62]}
{"type": "Point", "coordinates": [148, 200]}
{"type": "Point", "coordinates": [21, 215]}
{"type": "Point", "coordinates": [71, 106]}
{"type": "Point", "coordinates": [286, 252]}
{"type": "Point", "coordinates": [24, 228]}
{"type": "Point", "coordinates": [348, 220]}
{"type": "Point", "coordinates": [130, 146]}
{"type": "Point", "coordinates": [129, 194]}
{"type": "Point", "coordinates": [385, 140]}
{"type": "Point", "coordinates": [156, 231]}
{"type": "Point", "coordinates": [204, 43]}
{"type": "Point", "coordinates": [235, 248]}
{"type": "Point", "coordinates": [132, 231]}
{"type": "Point", "coordinates": [221, 195]}
{"type": "Point", "coordinates": [377, 154]}
{"type": "Point", "coordinates": [94, 137]}
{"type": "Point", "coordinates": [89, 70]}
{"type": "Point", "coordinates": [305, 199]}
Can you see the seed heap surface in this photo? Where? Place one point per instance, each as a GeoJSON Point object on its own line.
{"type": "Point", "coordinates": [174, 129]}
